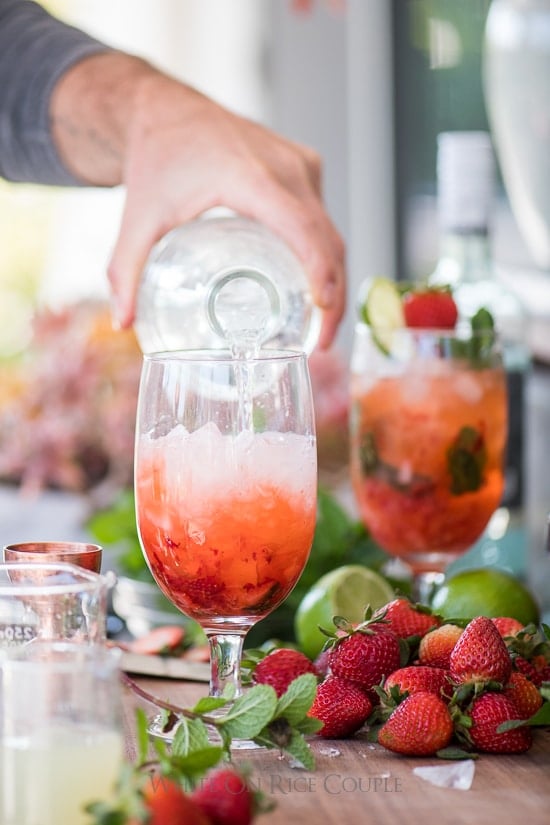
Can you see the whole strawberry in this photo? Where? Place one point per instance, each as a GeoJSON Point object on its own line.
{"type": "Point", "coordinates": [416, 678]}
{"type": "Point", "coordinates": [366, 655]}
{"type": "Point", "coordinates": [280, 667]}
{"type": "Point", "coordinates": [430, 308]}
{"type": "Point", "coordinates": [523, 693]}
{"type": "Point", "coordinates": [480, 655]}
{"type": "Point", "coordinates": [420, 726]}
{"type": "Point", "coordinates": [436, 646]}
{"type": "Point", "coordinates": [406, 619]}
{"type": "Point", "coordinates": [168, 804]}
{"type": "Point", "coordinates": [507, 625]}
{"type": "Point", "coordinates": [225, 798]}
{"type": "Point", "coordinates": [487, 713]}
{"type": "Point", "coordinates": [342, 707]}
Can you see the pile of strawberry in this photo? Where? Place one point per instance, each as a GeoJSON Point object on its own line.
{"type": "Point", "coordinates": [423, 686]}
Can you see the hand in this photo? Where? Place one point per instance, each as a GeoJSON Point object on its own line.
{"type": "Point", "coordinates": [180, 154]}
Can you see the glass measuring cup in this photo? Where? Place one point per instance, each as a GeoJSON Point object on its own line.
{"type": "Point", "coordinates": [55, 601]}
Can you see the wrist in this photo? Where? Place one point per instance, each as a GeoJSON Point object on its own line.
{"type": "Point", "coordinates": [91, 110]}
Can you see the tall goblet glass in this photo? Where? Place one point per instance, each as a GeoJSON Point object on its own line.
{"type": "Point", "coordinates": [226, 483]}
{"type": "Point", "coordinates": [428, 440]}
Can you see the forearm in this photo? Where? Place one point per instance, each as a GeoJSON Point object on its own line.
{"type": "Point", "coordinates": [35, 51]}
{"type": "Point", "coordinates": [92, 108]}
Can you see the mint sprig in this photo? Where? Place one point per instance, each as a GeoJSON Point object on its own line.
{"type": "Point", "coordinates": [272, 722]}
{"type": "Point", "coordinates": [466, 461]}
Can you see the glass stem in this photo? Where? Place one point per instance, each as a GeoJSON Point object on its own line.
{"type": "Point", "coordinates": [225, 661]}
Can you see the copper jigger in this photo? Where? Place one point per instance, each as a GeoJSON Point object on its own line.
{"type": "Point", "coordinates": [80, 553]}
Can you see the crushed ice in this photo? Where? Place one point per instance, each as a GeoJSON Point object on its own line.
{"type": "Point", "coordinates": [458, 775]}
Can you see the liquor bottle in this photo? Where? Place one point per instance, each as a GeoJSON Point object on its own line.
{"type": "Point", "coordinates": [465, 200]}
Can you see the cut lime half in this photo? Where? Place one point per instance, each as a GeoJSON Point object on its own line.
{"type": "Point", "coordinates": [345, 591]}
{"type": "Point", "coordinates": [383, 312]}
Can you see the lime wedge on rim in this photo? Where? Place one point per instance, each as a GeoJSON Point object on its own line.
{"type": "Point", "coordinates": [383, 311]}
{"type": "Point", "coordinates": [345, 591]}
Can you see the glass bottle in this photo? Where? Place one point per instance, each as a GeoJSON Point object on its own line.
{"type": "Point", "coordinates": [224, 281]}
{"type": "Point", "coordinates": [465, 199]}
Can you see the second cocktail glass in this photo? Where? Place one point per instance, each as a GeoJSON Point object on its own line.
{"type": "Point", "coordinates": [428, 441]}
{"type": "Point", "coordinates": [226, 488]}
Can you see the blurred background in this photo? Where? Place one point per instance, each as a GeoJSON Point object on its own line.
{"type": "Point", "coordinates": [369, 84]}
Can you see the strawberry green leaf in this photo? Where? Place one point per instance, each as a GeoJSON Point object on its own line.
{"type": "Point", "coordinates": [453, 752]}
{"type": "Point", "coordinates": [541, 717]}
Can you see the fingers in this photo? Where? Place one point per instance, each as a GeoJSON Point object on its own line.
{"type": "Point", "coordinates": [136, 237]}
{"type": "Point", "coordinates": [240, 165]}
{"type": "Point", "coordinates": [307, 229]}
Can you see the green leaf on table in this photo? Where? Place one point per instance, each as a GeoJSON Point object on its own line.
{"type": "Point", "coordinates": [298, 698]}
{"type": "Point", "coordinates": [249, 713]}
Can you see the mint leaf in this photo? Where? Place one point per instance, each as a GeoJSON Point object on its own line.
{"type": "Point", "coordinates": [249, 713]}
{"type": "Point", "coordinates": [372, 465]}
{"type": "Point", "coordinates": [198, 761]}
{"type": "Point", "coordinates": [298, 698]}
{"type": "Point", "coordinates": [299, 749]}
{"type": "Point", "coordinates": [142, 736]}
{"type": "Point", "coordinates": [191, 735]}
{"type": "Point", "coordinates": [466, 460]}
{"type": "Point", "coordinates": [210, 703]}
{"type": "Point", "coordinates": [309, 724]}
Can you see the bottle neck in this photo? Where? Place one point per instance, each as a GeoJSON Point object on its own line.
{"type": "Point", "coordinates": [464, 257]}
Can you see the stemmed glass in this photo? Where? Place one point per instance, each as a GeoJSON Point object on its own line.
{"type": "Point", "coordinates": [428, 439]}
{"type": "Point", "coordinates": [226, 482]}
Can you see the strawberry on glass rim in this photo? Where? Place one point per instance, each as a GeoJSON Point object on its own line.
{"type": "Point", "coordinates": [430, 308]}
{"type": "Point", "coordinates": [390, 305]}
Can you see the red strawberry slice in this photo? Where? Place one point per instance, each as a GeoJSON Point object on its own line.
{"type": "Point", "coordinates": [430, 309]}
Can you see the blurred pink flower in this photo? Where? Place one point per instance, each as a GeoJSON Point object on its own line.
{"type": "Point", "coordinates": [67, 410]}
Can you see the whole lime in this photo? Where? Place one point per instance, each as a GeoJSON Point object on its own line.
{"type": "Point", "coordinates": [345, 591]}
{"type": "Point", "coordinates": [485, 592]}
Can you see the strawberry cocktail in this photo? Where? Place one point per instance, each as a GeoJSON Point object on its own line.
{"type": "Point", "coordinates": [226, 488]}
{"type": "Point", "coordinates": [228, 532]}
{"type": "Point", "coordinates": [428, 432]}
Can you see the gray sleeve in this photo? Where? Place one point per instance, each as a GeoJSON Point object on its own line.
{"type": "Point", "coordinates": [35, 50]}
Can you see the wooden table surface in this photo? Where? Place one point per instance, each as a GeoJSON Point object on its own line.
{"type": "Point", "coordinates": [357, 783]}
